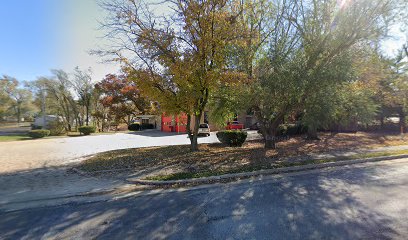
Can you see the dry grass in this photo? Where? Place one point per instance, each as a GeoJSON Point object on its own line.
{"type": "Point", "coordinates": [156, 161]}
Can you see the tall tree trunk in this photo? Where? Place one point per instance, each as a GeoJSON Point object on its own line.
{"type": "Point", "coordinates": [87, 115]}
{"type": "Point", "coordinates": [193, 133]}
{"type": "Point", "coordinates": [68, 123]}
{"type": "Point", "coordinates": [269, 129]}
{"type": "Point", "coordinates": [269, 132]}
{"type": "Point", "coordinates": [270, 141]}
{"type": "Point", "coordinates": [64, 103]}
{"type": "Point", "coordinates": [68, 119]}
{"type": "Point", "coordinates": [78, 122]}
{"type": "Point", "coordinates": [194, 142]}
{"type": "Point", "coordinates": [402, 118]}
{"type": "Point", "coordinates": [18, 114]}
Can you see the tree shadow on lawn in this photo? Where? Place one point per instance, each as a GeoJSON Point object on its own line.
{"type": "Point", "coordinates": [215, 157]}
{"type": "Point", "coordinates": [312, 206]}
{"type": "Point", "coordinates": [339, 142]}
{"type": "Point", "coordinates": [167, 160]}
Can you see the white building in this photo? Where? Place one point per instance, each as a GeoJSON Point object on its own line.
{"type": "Point", "coordinates": [42, 121]}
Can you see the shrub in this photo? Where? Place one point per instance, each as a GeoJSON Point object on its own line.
{"type": "Point", "coordinates": [87, 130]}
{"type": "Point", "coordinates": [39, 133]}
{"type": "Point", "coordinates": [232, 138]}
{"type": "Point", "coordinates": [147, 126]}
{"type": "Point", "coordinates": [56, 127]}
{"type": "Point", "coordinates": [134, 127]}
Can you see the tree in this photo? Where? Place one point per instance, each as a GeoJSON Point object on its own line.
{"type": "Point", "coordinates": [231, 97]}
{"type": "Point", "coordinates": [323, 103]}
{"type": "Point", "coordinates": [177, 58]}
{"type": "Point", "coordinates": [122, 97]}
{"type": "Point", "coordinates": [38, 89]}
{"type": "Point", "coordinates": [4, 99]}
{"type": "Point", "coordinates": [309, 36]}
{"type": "Point", "coordinates": [56, 94]}
{"type": "Point", "coordinates": [356, 104]}
{"type": "Point", "coordinates": [83, 87]}
{"type": "Point", "coordinates": [19, 99]}
{"type": "Point", "coordinates": [349, 93]}
{"type": "Point", "coordinates": [396, 88]}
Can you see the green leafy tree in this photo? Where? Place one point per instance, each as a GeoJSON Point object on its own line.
{"type": "Point", "coordinates": [4, 99]}
{"type": "Point", "coordinates": [356, 104]}
{"type": "Point", "coordinates": [83, 86]}
{"type": "Point", "coordinates": [177, 58]}
{"type": "Point", "coordinates": [232, 97]}
{"type": "Point", "coordinates": [396, 88]}
{"type": "Point", "coordinates": [18, 101]}
{"type": "Point", "coordinates": [309, 37]}
{"type": "Point", "coordinates": [322, 102]}
{"type": "Point", "coordinates": [55, 96]}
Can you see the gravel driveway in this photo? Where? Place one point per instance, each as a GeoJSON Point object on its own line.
{"type": "Point", "coordinates": [30, 154]}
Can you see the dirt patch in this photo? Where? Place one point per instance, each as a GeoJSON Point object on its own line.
{"type": "Point", "coordinates": [154, 161]}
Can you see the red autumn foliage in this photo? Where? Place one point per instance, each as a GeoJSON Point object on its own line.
{"type": "Point", "coordinates": [121, 96]}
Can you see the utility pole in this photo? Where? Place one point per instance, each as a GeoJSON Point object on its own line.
{"type": "Point", "coordinates": [43, 104]}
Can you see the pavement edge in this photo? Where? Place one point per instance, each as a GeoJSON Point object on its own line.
{"type": "Point", "coordinates": [236, 176]}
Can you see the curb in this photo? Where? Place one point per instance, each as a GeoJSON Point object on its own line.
{"type": "Point", "coordinates": [235, 176]}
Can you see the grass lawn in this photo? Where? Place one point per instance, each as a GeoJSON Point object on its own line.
{"type": "Point", "coordinates": [177, 162]}
{"type": "Point", "coordinates": [281, 164]}
{"type": "Point", "coordinates": [13, 138]}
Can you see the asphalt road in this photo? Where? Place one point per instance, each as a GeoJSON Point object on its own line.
{"type": "Point", "coordinates": [365, 201]}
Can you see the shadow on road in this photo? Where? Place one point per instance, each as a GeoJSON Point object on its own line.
{"type": "Point", "coordinates": [22, 189]}
{"type": "Point", "coordinates": [313, 206]}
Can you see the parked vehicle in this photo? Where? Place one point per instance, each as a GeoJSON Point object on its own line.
{"type": "Point", "coordinates": [41, 122]}
{"type": "Point", "coordinates": [234, 125]}
{"type": "Point", "coordinates": [204, 129]}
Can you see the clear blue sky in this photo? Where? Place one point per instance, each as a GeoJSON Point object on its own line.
{"type": "Point", "coordinates": [39, 35]}
{"type": "Point", "coordinates": [29, 37]}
